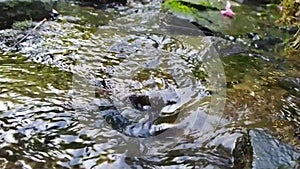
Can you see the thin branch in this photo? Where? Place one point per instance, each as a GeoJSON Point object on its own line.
{"type": "Point", "coordinates": [29, 33]}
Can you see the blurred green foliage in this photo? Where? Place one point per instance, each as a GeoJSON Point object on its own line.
{"type": "Point", "coordinates": [291, 17]}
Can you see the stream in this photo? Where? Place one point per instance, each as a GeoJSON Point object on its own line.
{"type": "Point", "coordinates": [137, 86]}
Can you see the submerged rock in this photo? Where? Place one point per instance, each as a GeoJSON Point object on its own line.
{"type": "Point", "coordinates": [257, 149]}
{"type": "Point", "coordinates": [291, 84]}
{"type": "Point", "coordinates": [269, 152]}
{"type": "Point", "coordinates": [102, 3]}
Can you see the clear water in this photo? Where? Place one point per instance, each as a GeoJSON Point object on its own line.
{"type": "Point", "coordinates": [50, 106]}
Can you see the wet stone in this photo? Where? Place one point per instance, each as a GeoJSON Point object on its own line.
{"type": "Point", "coordinates": [269, 152]}
{"type": "Point", "coordinates": [140, 102]}
{"type": "Point", "coordinates": [243, 152]}
{"type": "Point", "coordinates": [257, 2]}
{"type": "Point", "coordinates": [72, 128]}
{"type": "Point", "coordinates": [102, 3]}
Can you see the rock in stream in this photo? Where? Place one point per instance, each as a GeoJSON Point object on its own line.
{"type": "Point", "coordinates": [270, 152]}
{"type": "Point", "coordinates": [34, 10]}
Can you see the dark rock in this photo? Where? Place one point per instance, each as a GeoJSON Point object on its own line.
{"type": "Point", "coordinates": [140, 101]}
{"type": "Point", "coordinates": [257, 2]}
{"type": "Point", "coordinates": [176, 25]}
{"type": "Point", "coordinates": [291, 29]}
{"type": "Point", "coordinates": [266, 43]}
{"type": "Point", "coordinates": [206, 31]}
{"type": "Point", "coordinates": [225, 47]}
{"type": "Point", "coordinates": [253, 36]}
{"type": "Point", "coordinates": [257, 149]}
{"type": "Point", "coordinates": [291, 84]}
{"type": "Point", "coordinates": [102, 4]}
{"type": "Point", "coordinates": [243, 152]}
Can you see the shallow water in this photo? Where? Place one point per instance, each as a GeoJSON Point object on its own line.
{"type": "Point", "coordinates": [52, 94]}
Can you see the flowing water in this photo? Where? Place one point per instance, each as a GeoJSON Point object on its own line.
{"type": "Point", "coordinates": [97, 89]}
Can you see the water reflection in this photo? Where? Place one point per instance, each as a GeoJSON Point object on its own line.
{"type": "Point", "coordinates": [49, 104]}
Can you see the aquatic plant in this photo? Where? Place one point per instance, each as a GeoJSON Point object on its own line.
{"type": "Point", "coordinates": [290, 10]}
{"type": "Point", "coordinates": [295, 44]}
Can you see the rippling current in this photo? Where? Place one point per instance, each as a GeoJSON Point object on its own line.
{"type": "Point", "coordinates": [69, 76]}
{"type": "Point", "coordinates": [86, 96]}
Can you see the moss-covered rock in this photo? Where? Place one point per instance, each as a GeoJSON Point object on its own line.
{"type": "Point", "coordinates": [36, 10]}
{"type": "Point", "coordinates": [12, 11]}
{"type": "Point", "coordinates": [247, 19]}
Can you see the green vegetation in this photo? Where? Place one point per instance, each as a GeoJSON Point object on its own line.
{"type": "Point", "coordinates": [291, 17]}
{"type": "Point", "coordinates": [22, 25]}
{"type": "Point", "coordinates": [290, 12]}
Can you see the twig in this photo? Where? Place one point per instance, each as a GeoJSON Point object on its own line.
{"type": "Point", "coordinates": [38, 25]}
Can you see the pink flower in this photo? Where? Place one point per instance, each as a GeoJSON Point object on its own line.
{"type": "Point", "coordinates": [228, 12]}
{"type": "Point", "coordinates": [280, 7]}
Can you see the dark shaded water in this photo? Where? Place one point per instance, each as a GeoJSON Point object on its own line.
{"type": "Point", "coordinates": [52, 98]}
